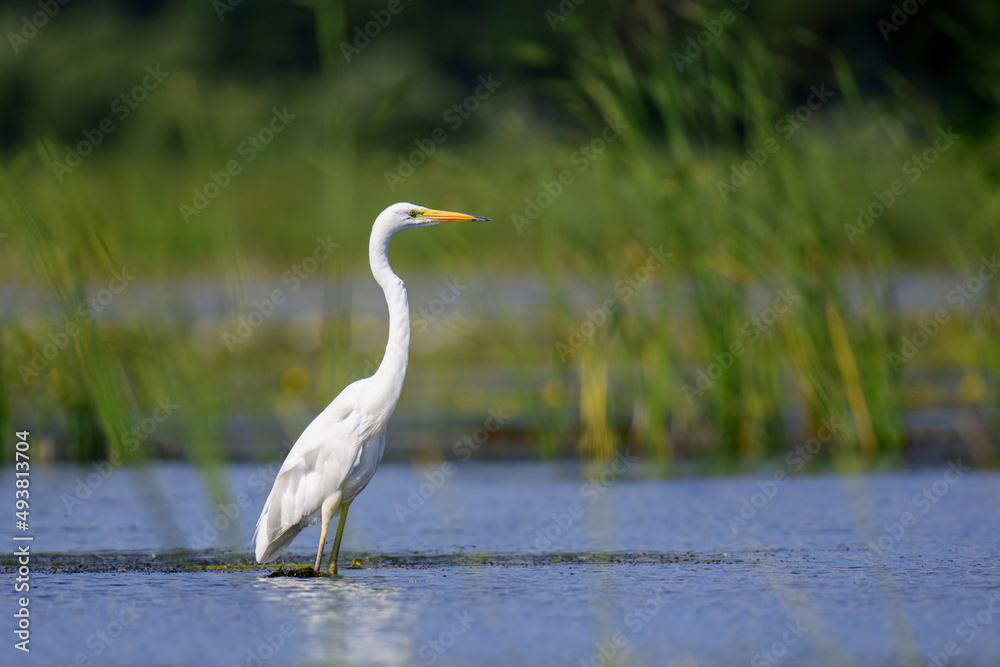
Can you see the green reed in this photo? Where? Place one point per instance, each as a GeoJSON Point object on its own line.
{"type": "Point", "coordinates": [634, 381]}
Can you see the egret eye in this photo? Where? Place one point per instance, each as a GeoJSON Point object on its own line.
{"type": "Point", "coordinates": [414, 212]}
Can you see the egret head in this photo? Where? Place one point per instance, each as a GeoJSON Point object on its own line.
{"type": "Point", "coordinates": [405, 215]}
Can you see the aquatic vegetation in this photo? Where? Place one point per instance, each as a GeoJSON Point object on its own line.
{"type": "Point", "coordinates": [703, 263]}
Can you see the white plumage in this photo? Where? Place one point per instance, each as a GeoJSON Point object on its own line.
{"type": "Point", "coordinates": [338, 453]}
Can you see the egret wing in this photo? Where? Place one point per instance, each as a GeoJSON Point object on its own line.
{"type": "Point", "coordinates": [316, 466]}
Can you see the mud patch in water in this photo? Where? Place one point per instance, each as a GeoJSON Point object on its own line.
{"type": "Point", "coordinates": [190, 561]}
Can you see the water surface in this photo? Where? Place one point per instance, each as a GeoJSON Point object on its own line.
{"type": "Point", "coordinates": [521, 563]}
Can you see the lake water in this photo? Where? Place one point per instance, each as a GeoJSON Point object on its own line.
{"type": "Point", "coordinates": [518, 564]}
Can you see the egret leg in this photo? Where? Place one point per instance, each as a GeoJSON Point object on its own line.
{"type": "Point", "coordinates": [340, 533]}
{"type": "Point", "coordinates": [327, 517]}
{"type": "Point", "coordinates": [322, 542]}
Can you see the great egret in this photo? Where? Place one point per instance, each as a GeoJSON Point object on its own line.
{"type": "Point", "coordinates": [335, 457]}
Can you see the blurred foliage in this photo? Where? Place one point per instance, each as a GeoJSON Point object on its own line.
{"type": "Point", "coordinates": [665, 176]}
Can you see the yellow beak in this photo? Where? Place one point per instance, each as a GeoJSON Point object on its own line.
{"type": "Point", "coordinates": [450, 216]}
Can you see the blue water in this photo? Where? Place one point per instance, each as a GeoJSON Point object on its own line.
{"type": "Point", "coordinates": [817, 570]}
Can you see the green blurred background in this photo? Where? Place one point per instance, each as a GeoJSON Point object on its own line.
{"type": "Point", "coordinates": [677, 264]}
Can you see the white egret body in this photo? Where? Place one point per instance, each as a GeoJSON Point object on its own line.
{"type": "Point", "coordinates": [335, 457]}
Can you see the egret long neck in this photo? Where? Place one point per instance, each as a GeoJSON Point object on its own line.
{"type": "Point", "coordinates": [392, 371]}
